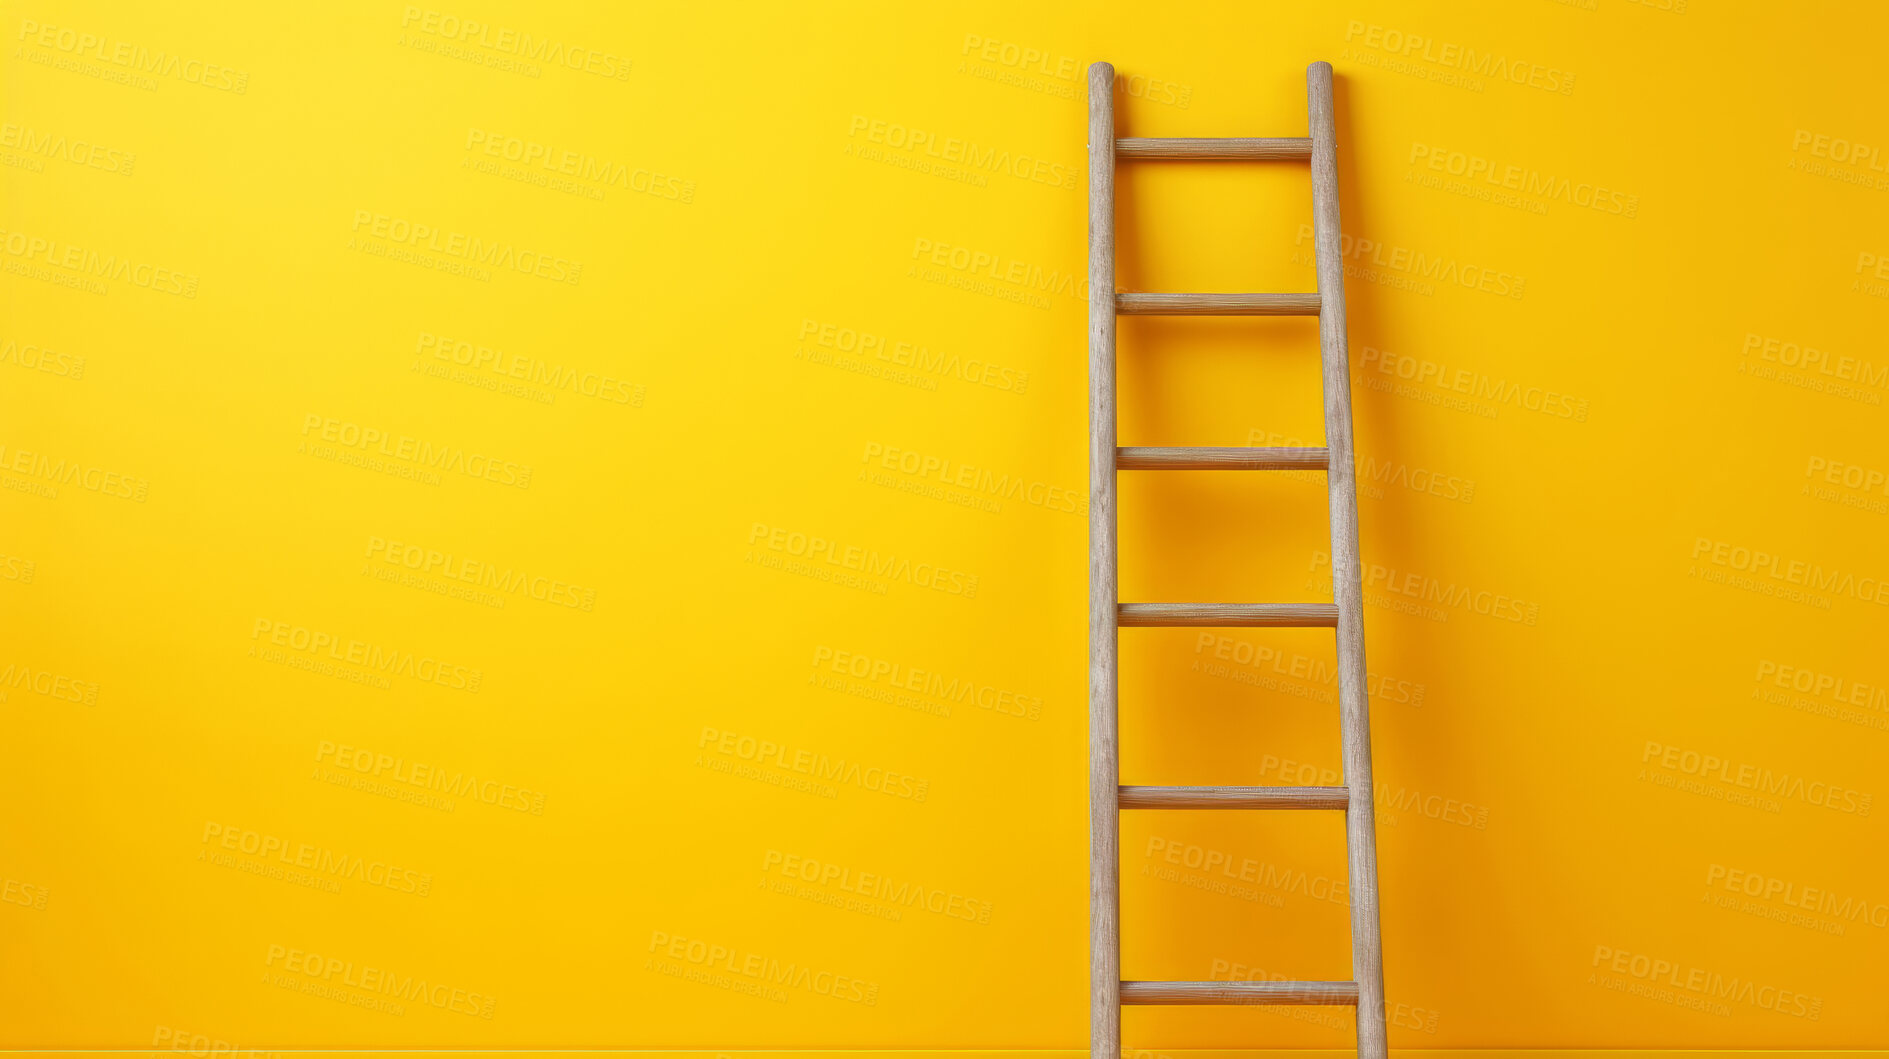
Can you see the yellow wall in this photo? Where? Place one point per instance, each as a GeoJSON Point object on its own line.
{"type": "Point", "coordinates": [768, 406]}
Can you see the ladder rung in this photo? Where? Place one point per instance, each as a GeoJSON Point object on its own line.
{"type": "Point", "coordinates": [1290, 615]}
{"type": "Point", "coordinates": [1233, 797]}
{"type": "Point", "coordinates": [1143, 304]}
{"type": "Point", "coordinates": [1257, 148]}
{"type": "Point", "coordinates": [1210, 459]}
{"type": "Point", "coordinates": [1239, 992]}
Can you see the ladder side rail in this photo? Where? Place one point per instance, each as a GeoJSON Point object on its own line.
{"type": "Point", "coordinates": [1105, 954]}
{"type": "Point", "coordinates": [1367, 957]}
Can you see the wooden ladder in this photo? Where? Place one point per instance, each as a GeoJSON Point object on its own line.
{"type": "Point", "coordinates": [1107, 615]}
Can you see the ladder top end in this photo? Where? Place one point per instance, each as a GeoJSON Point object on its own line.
{"type": "Point", "coordinates": [1101, 71]}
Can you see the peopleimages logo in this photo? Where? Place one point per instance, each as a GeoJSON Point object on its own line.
{"type": "Point", "coordinates": [988, 265]}
{"type": "Point", "coordinates": [951, 689]}
{"type": "Point", "coordinates": [326, 645]}
{"type": "Point", "coordinates": [1811, 682]}
{"type": "Point", "coordinates": [508, 41]}
{"type": "Point", "coordinates": [1525, 180]}
{"type": "Point", "coordinates": [39, 358]}
{"type": "Point", "coordinates": [202, 1045]}
{"type": "Point", "coordinates": [91, 262]}
{"type": "Point", "coordinates": [1796, 895]}
{"type": "Point", "coordinates": [980, 483]}
{"type": "Point", "coordinates": [812, 763]}
{"type": "Point", "coordinates": [429, 777]}
{"type": "Point", "coordinates": [137, 58]}
{"type": "Point", "coordinates": [920, 358]}
{"type": "Point", "coordinates": [870, 562]}
{"type": "Point", "coordinates": [77, 151]}
{"type": "Point", "coordinates": [57, 472]}
{"type": "Point", "coordinates": [1757, 778]}
{"type": "Point", "coordinates": [332, 972]}
{"type": "Point", "coordinates": [320, 860]}
{"type": "Point", "coordinates": [1416, 269]}
{"type": "Point", "coordinates": [1459, 59]}
{"type": "Point", "coordinates": [1837, 149]}
{"type": "Point", "coordinates": [1423, 589]}
{"type": "Point", "coordinates": [960, 151]}
{"type": "Point", "coordinates": [46, 682]}
{"type": "Point", "coordinates": [506, 579]}
{"type": "Point", "coordinates": [462, 247]}
{"type": "Point", "coordinates": [1840, 366]}
{"type": "Point", "coordinates": [1793, 573]}
{"type": "Point", "coordinates": [872, 886]}
{"type": "Point", "coordinates": [24, 894]}
{"type": "Point", "coordinates": [374, 441]}
{"type": "Point", "coordinates": [1021, 65]}
{"type": "Point", "coordinates": [577, 165]}
{"type": "Point", "coordinates": [1267, 662]}
{"type": "Point", "coordinates": [1696, 986]}
{"type": "Point", "coordinates": [528, 370]}
{"type": "Point", "coordinates": [759, 969]}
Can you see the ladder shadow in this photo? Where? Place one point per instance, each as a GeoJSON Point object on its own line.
{"type": "Point", "coordinates": [1389, 423]}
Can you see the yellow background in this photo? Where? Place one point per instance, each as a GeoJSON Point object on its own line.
{"type": "Point", "coordinates": [1605, 415]}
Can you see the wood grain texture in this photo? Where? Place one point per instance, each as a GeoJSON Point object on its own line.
{"type": "Point", "coordinates": [1212, 459]}
{"type": "Point", "coordinates": [1239, 992]}
{"type": "Point", "coordinates": [1105, 950]}
{"type": "Point", "coordinates": [1184, 304]}
{"type": "Point", "coordinates": [1234, 148]}
{"type": "Point", "coordinates": [1229, 615]}
{"type": "Point", "coordinates": [1354, 712]}
{"type": "Point", "coordinates": [1234, 798]}
{"type": "Point", "coordinates": [1107, 615]}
